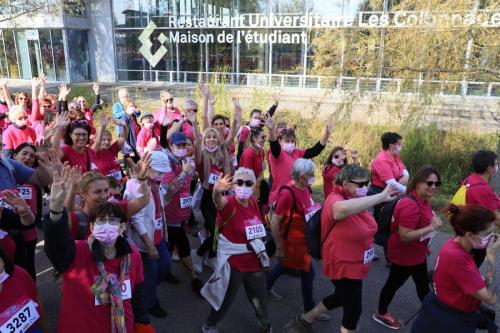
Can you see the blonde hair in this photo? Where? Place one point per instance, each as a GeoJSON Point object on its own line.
{"type": "Point", "coordinates": [220, 157]}
{"type": "Point", "coordinates": [88, 178]}
{"type": "Point", "coordinates": [16, 111]}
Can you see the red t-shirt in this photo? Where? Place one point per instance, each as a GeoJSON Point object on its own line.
{"type": "Point", "coordinates": [481, 193]}
{"type": "Point", "coordinates": [7, 245]}
{"type": "Point", "coordinates": [174, 114]}
{"type": "Point", "coordinates": [85, 159]}
{"type": "Point", "coordinates": [330, 174]}
{"type": "Point", "coordinates": [30, 192]}
{"type": "Point", "coordinates": [412, 215]}
{"type": "Point", "coordinates": [285, 201]}
{"type": "Point", "coordinates": [107, 161]}
{"type": "Point", "coordinates": [457, 278]}
{"type": "Point", "coordinates": [281, 169]}
{"type": "Point", "coordinates": [348, 249]}
{"type": "Point", "coordinates": [254, 160]}
{"type": "Point", "coordinates": [179, 207]}
{"type": "Point", "coordinates": [385, 167]}
{"type": "Point", "coordinates": [13, 137]}
{"type": "Point", "coordinates": [16, 292]}
{"type": "Point", "coordinates": [77, 296]}
{"type": "Point", "coordinates": [145, 135]}
{"type": "Point", "coordinates": [235, 231]}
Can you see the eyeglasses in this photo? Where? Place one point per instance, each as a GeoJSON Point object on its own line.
{"type": "Point", "coordinates": [360, 184]}
{"type": "Point", "coordinates": [430, 183]}
{"type": "Point", "coordinates": [80, 135]}
{"type": "Point", "coordinates": [336, 156]}
{"type": "Point", "coordinates": [23, 118]}
{"type": "Point", "coordinates": [193, 110]}
{"type": "Point", "coordinates": [113, 221]}
{"type": "Point", "coordinates": [46, 106]}
{"type": "Point", "coordinates": [22, 98]}
{"type": "Point", "coordinates": [82, 101]}
{"type": "Point", "coordinates": [28, 154]}
{"type": "Point", "coordinates": [170, 99]}
{"type": "Point", "coordinates": [240, 182]}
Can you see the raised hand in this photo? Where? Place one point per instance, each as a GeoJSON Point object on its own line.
{"type": "Point", "coordinates": [204, 89]}
{"type": "Point", "coordinates": [103, 120]}
{"type": "Point", "coordinates": [42, 145]}
{"type": "Point", "coordinates": [3, 82]}
{"type": "Point", "coordinates": [140, 168]}
{"type": "Point", "coordinates": [43, 79]}
{"type": "Point", "coordinates": [191, 117]}
{"type": "Point", "coordinates": [223, 183]}
{"type": "Point", "coordinates": [119, 122]}
{"type": "Point", "coordinates": [62, 120]}
{"type": "Point", "coordinates": [212, 98]}
{"type": "Point", "coordinates": [329, 125]}
{"type": "Point", "coordinates": [95, 87]}
{"type": "Point", "coordinates": [58, 189]}
{"type": "Point", "coordinates": [269, 121]}
{"type": "Point", "coordinates": [236, 102]}
{"type": "Point", "coordinates": [50, 160]}
{"type": "Point", "coordinates": [276, 98]}
{"type": "Point", "coordinates": [75, 176]}
{"type": "Point", "coordinates": [16, 201]}
{"type": "Point", "coordinates": [35, 83]}
{"type": "Point", "coordinates": [63, 92]}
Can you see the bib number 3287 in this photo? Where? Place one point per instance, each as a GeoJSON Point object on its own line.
{"type": "Point", "coordinates": [22, 320]}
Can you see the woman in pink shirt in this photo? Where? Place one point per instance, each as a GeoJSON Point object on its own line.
{"type": "Point", "coordinates": [336, 160]}
{"type": "Point", "coordinates": [17, 132]}
{"type": "Point", "coordinates": [347, 230]}
{"type": "Point", "coordinates": [413, 225]}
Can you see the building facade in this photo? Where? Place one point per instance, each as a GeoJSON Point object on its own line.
{"type": "Point", "coordinates": [100, 40]}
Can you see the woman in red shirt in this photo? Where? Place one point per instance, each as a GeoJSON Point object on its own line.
{"type": "Point", "coordinates": [76, 151]}
{"type": "Point", "coordinates": [336, 160]}
{"type": "Point", "coordinates": [239, 222]}
{"type": "Point", "coordinates": [102, 276]}
{"type": "Point", "coordinates": [413, 225]}
{"type": "Point", "coordinates": [347, 231]}
{"type": "Point", "coordinates": [18, 299]}
{"type": "Point", "coordinates": [18, 131]}
{"type": "Point", "coordinates": [293, 209]}
{"type": "Point", "coordinates": [459, 286]}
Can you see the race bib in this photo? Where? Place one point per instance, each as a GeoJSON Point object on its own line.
{"type": "Point", "coordinates": [26, 192]}
{"type": "Point", "coordinates": [159, 224]}
{"type": "Point", "coordinates": [117, 175]}
{"type": "Point", "coordinates": [235, 161]}
{"type": "Point", "coordinates": [186, 202]}
{"type": "Point", "coordinates": [4, 205]}
{"type": "Point", "coordinates": [311, 211]}
{"type": "Point", "coordinates": [369, 255]}
{"type": "Point", "coordinates": [213, 178]}
{"type": "Point", "coordinates": [126, 292]}
{"type": "Point", "coordinates": [22, 320]}
{"type": "Point", "coordinates": [255, 231]}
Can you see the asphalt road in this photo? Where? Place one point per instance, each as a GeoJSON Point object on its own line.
{"type": "Point", "coordinates": [187, 312]}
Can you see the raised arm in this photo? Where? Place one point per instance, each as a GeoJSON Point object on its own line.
{"type": "Point", "coordinates": [61, 122]}
{"type": "Point", "coordinates": [236, 121]}
{"type": "Point", "coordinates": [59, 246]}
{"type": "Point", "coordinates": [35, 104]}
{"type": "Point", "coordinates": [97, 98]}
{"type": "Point", "coordinates": [198, 150]}
{"type": "Point", "coordinates": [43, 82]}
{"type": "Point", "coordinates": [20, 207]}
{"type": "Point", "coordinates": [205, 92]}
{"type": "Point", "coordinates": [103, 120]}
{"type": "Point", "coordinates": [222, 185]}
{"type": "Point", "coordinates": [140, 170]}
{"type": "Point", "coordinates": [176, 127]}
{"type": "Point", "coordinates": [123, 133]}
{"type": "Point", "coordinates": [318, 147]}
{"type": "Point", "coordinates": [6, 93]}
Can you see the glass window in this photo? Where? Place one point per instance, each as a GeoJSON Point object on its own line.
{"type": "Point", "coordinates": [289, 6]}
{"type": "Point", "coordinates": [129, 13]}
{"type": "Point", "coordinates": [253, 57]}
{"type": "Point", "coordinates": [189, 56]}
{"type": "Point", "coordinates": [10, 52]}
{"type": "Point", "coordinates": [24, 55]}
{"type": "Point", "coordinates": [287, 58]}
{"type": "Point", "coordinates": [75, 7]}
{"type": "Point", "coordinates": [219, 54]}
{"type": "Point", "coordinates": [46, 53]}
{"type": "Point", "coordinates": [79, 62]}
{"type": "Point", "coordinates": [59, 58]}
{"type": "Point", "coordinates": [3, 59]}
{"type": "Point", "coordinates": [252, 6]}
{"type": "Point", "coordinates": [128, 55]}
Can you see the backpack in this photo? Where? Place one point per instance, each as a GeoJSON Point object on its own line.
{"type": "Point", "coordinates": [385, 219]}
{"type": "Point", "coordinates": [313, 229]}
{"type": "Point", "coordinates": [460, 197]}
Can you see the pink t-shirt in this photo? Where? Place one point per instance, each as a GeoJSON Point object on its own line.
{"type": "Point", "coordinates": [107, 161]}
{"type": "Point", "coordinates": [13, 137]}
{"type": "Point", "coordinates": [85, 159]}
{"type": "Point", "coordinates": [348, 248]}
{"type": "Point", "coordinates": [386, 166]}
{"type": "Point", "coordinates": [412, 215]}
{"type": "Point", "coordinates": [281, 169]}
{"type": "Point", "coordinates": [457, 278]}
{"type": "Point", "coordinates": [254, 160]}
{"type": "Point", "coordinates": [179, 208]}
{"type": "Point", "coordinates": [235, 230]}
{"type": "Point", "coordinates": [145, 135]}
{"type": "Point", "coordinates": [481, 193]}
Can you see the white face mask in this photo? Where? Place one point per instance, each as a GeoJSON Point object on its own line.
{"type": "Point", "coordinates": [149, 125]}
{"type": "Point", "coordinates": [289, 147]}
{"type": "Point", "coordinates": [337, 162]}
{"type": "Point", "coordinates": [243, 192]}
{"type": "Point", "coordinates": [258, 145]}
{"type": "Point", "coordinates": [483, 243]}
{"type": "Point", "coordinates": [3, 276]}
{"type": "Point", "coordinates": [255, 122]}
{"type": "Point", "coordinates": [179, 152]}
{"type": "Point", "coordinates": [311, 181]}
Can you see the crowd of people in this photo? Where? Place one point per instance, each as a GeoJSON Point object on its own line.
{"type": "Point", "coordinates": [120, 210]}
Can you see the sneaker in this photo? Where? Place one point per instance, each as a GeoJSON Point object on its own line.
{"type": "Point", "coordinates": [387, 320]}
{"type": "Point", "coordinates": [323, 317]}
{"type": "Point", "coordinates": [209, 329]}
{"type": "Point", "coordinates": [298, 325]}
{"type": "Point", "coordinates": [196, 285]}
{"type": "Point", "coordinates": [175, 255]}
{"type": "Point", "coordinates": [157, 312]}
{"type": "Point", "coordinates": [210, 263]}
{"type": "Point", "coordinates": [172, 279]}
{"type": "Point", "coordinates": [197, 262]}
{"type": "Point", "coordinates": [273, 295]}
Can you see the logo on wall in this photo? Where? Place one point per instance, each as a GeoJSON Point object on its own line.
{"type": "Point", "coordinates": [145, 50]}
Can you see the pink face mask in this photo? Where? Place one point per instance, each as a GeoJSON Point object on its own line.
{"type": "Point", "coordinates": [243, 192]}
{"type": "Point", "coordinates": [106, 233]}
{"type": "Point", "coordinates": [289, 147]}
{"type": "Point", "coordinates": [211, 149]}
{"type": "Point", "coordinates": [361, 192]}
{"type": "Point", "coordinates": [149, 125]}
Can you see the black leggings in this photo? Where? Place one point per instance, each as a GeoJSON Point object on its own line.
{"type": "Point", "coordinates": [348, 294]}
{"type": "Point", "coordinates": [397, 277]}
{"type": "Point", "coordinates": [177, 238]}
{"type": "Point", "coordinates": [209, 215]}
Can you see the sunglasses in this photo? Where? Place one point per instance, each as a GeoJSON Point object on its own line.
{"type": "Point", "coordinates": [170, 99]}
{"type": "Point", "coordinates": [360, 184]}
{"type": "Point", "coordinates": [247, 183]}
{"type": "Point", "coordinates": [430, 183]}
{"type": "Point", "coordinates": [46, 106]}
{"type": "Point", "coordinates": [23, 118]}
{"type": "Point", "coordinates": [336, 157]}
{"type": "Point", "coordinates": [193, 110]}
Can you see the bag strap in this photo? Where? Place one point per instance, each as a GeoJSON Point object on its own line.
{"type": "Point", "coordinates": [88, 158]}
{"type": "Point", "coordinates": [82, 224]}
{"type": "Point", "coordinates": [292, 211]}
{"type": "Point", "coordinates": [327, 234]}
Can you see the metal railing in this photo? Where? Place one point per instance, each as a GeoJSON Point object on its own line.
{"type": "Point", "coordinates": [342, 83]}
